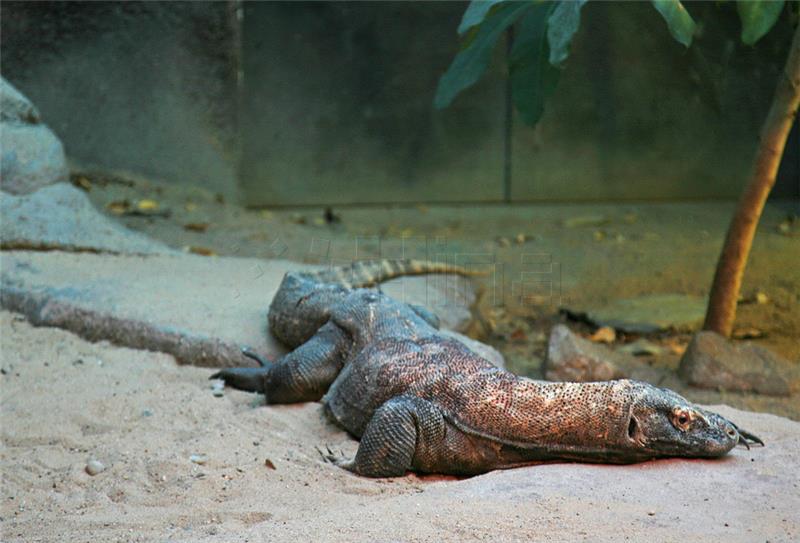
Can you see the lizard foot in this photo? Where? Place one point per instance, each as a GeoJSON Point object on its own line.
{"type": "Point", "coordinates": [337, 459]}
{"type": "Point", "coordinates": [249, 379]}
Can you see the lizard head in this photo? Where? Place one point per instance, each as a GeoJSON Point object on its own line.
{"type": "Point", "coordinates": [663, 423]}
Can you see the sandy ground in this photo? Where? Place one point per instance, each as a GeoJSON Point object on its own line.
{"type": "Point", "coordinates": [66, 401]}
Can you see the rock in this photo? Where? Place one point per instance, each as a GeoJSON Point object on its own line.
{"type": "Point", "coordinates": [93, 467]}
{"type": "Point", "coordinates": [32, 155]}
{"type": "Point", "coordinates": [641, 347]}
{"type": "Point", "coordinates": [14, 107]}
{"type": "Point", "coordinates": [199, 459]}
{"type": "Point", "coordinates": [711, 361]}
{"type": "Point", "coordinates": [200, 310]}
{"type": "Point", "coordinates": [218, 388]}
{"type": "Point", "coordinates": [450, 297]}
{"type": "Point", "coordinates": [647, 314]}
{"type": "Point", "coordinates": [572, 358]}
{"type": "Point", "coordinates": [481, 349]}
{"type": "Point", "coordinates": [61, 217]}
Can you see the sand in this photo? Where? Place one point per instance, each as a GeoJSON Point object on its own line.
{"type": "Point", "coordinates": [66, 401]}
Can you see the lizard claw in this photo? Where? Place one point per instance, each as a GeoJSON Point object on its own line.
{"type": "Point", "coordinates": [746, 438]}
{"type": "Point", "coordinates": [249, 353]}
{"type": "Point", "coordinates": [337, 459]}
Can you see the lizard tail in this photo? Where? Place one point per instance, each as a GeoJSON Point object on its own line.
{"type": "Point", "coordinates": [367, 273]}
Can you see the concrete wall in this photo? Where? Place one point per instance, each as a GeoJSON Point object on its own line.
{"type": "Point", "coordinates": [338, 107]}
{"type": "Point", "coordinates": [287, 103]}
{"type": "Point", "coordinates": [638, 116]}
{"type": "Point", "coordinates": [144, 87]}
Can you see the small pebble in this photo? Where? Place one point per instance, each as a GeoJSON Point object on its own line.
{"type": "Point", "coordinates": [198, 459]}
{"type": "Point", "coordinates": [651, 513]}
{"type": "Point", "coordinates": [93, 467]}
{"type": "Point", "coordinates": [761, 298]}
{"type": "Point", "coordinates": [218, 388]}
{"type": "Point", "coordinates": [218, 393]}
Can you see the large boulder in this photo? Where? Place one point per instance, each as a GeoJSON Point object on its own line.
{"type": "Point", "coordinates": [201, 310]}
{"type": "Point", "coordinates": [61, 217]}
{"type": "Point", "coordinates": [14, 107]}
{"type": "Point", "coordinates": [712, 361]}
{"type": "Point", "coordinates": [572, 358]}
{"type": "Point", "coordinates": [32, 155]}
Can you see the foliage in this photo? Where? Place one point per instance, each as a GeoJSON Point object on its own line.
{"type": "Point", "coordinates": [544, 31]}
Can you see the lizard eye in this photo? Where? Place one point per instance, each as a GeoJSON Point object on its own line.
{"type": "Point", "coordinates": [681, 418]}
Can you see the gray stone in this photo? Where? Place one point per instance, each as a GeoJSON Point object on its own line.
{"type": "Point", "coordinates": [61, 217]}
{"type": "Point", "coordinates": [14, 107]}
{"type": "Point", "coordinates": [481, 349]}
{"type": "Point", "coordinates": [201, 310]}
{"type": "Point", "coordinates": [94, 467]}
{"type": "Point", "coordinates": [647, 314]}
{"type": "Point", "coordinates": [572, 358]}
{"type": "Point", "coordinates": [32, 155]}
{"type": "Point", "coordinates": [711, 361]}
{"type": "Point", "coordinates": [451, 295]}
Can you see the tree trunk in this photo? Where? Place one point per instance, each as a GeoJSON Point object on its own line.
{"type": "Point", "coordinates": [730, 268]}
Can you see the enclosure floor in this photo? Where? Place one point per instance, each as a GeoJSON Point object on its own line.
{"type": "Point", "coordinates": [185, 466]}
{"type": "Point", "coordinates": [560, 255]}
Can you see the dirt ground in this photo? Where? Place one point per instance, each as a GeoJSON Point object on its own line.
{"type": "Point", "coordinates": [179, 464]}
{"type": "Point", "coordinates": [544, 257]}
{"type": "Point", "coordinates": [183, 465]}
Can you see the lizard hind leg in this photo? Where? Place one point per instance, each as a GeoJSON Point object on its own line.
{"type": "Point", "coordinates": [402, 434]}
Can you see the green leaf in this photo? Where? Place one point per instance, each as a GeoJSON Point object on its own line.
{"type": "Point", "coordinates": [533, 78]}
{"type": "Point", "coordinates": [757, 18]}
{"type": "Point", "coordinates": [476, 13]}
{"type": "Point", "coordinates": [470, 63]}
{"type": "Point", "coordinates": [561, 27]}
{"type": "Point", "coordinates": [680, 23]}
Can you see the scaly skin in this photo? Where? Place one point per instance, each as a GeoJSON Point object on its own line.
{"type": "Point", "coordinates": [422, 401]}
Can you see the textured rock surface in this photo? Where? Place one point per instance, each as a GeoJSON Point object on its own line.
{"type": "Point", "coordinates": [61, 217]}
{"type": "Point", "coordinates": [711, 361]}
{"type": "Point", "coordinates": [202, 310]}
{"type": "Point", "coordinates": [647, 314]}
{"type": "Point", "coordinates": [144, 417]}
{"type": "Point", "coordinates": [14, 107]}
{"type": "Point", "coordinates": [32, 155]}
{"type": "Point", "coordinates": [572, 358]}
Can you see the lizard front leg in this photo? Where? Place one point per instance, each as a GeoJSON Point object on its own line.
{"type": "Point", "coordinates": [303, 375]}
{"type": "Point", "coordinates": [404, 433]}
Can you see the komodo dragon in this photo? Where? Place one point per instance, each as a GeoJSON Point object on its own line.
{"type": "Point", "coordinates": [422, 401]}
